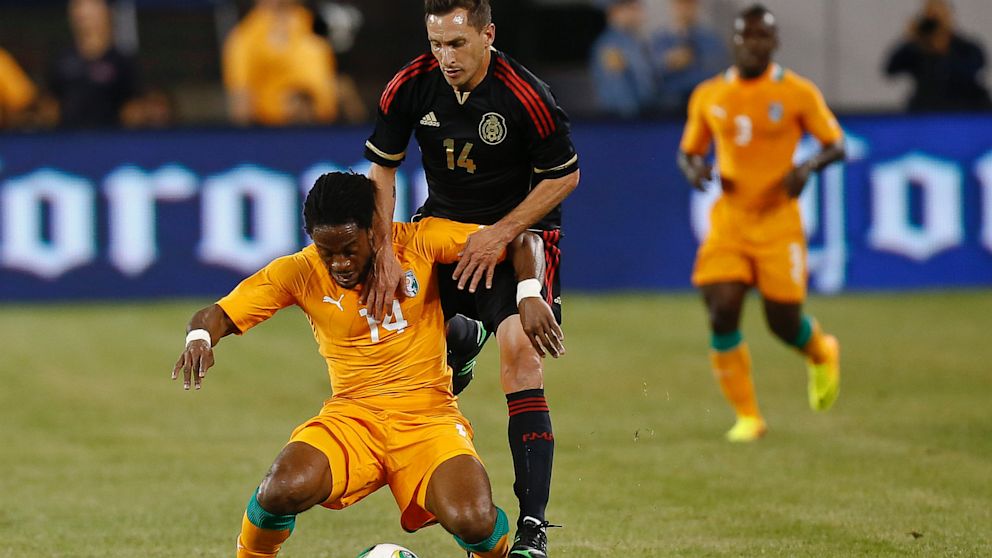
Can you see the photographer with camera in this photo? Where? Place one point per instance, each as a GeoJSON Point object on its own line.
{"type": "Point", "coordinates": [944, 65]}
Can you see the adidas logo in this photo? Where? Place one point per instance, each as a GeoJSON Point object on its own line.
{"type": "Point", "coordinates": [430, 120]}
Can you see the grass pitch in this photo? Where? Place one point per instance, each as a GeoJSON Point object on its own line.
{"type": "Point", "coordinates": [101, 455]}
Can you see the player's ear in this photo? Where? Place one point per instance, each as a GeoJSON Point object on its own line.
{"type": "Point", "coordinates": [489, 32]}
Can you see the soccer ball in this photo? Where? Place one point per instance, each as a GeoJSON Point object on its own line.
{"type": "Point", "coordinates": [387, 551]}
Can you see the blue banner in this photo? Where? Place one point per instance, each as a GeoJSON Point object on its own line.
{"type": "Point", "coordinates": [104, 215]}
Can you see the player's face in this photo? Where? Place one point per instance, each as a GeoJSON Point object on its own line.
{"type": "Point", "coordinates": [755, 39]}
{"type": "Point", "coordinates": [461, 50]}
{"type": "Point", "coordinates": [346, 251]}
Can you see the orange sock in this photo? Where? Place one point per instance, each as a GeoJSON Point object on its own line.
{"type": "Point", "coordinates": [255, 542]}
{"type": "Point", "coordinates": [732, 369]}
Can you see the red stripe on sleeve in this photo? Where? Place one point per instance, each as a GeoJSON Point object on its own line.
{"type": "Point", "coordinates": [540, 108]}
{"type": "Point", "coordinates": [420, 66]}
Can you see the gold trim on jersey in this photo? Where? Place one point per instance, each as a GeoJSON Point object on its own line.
{"type": "Point", "coordinates": [461, 97]}
{"type": "Point", "coordinates": [383, 154]}
{"type": "Point", "coordinates": [559, 167]}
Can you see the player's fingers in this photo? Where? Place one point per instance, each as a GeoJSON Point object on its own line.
{"type": "Point", "coordinates": [535, 341]}
{"type": "Point", "coordinates": [460, 268]}
{"type": "Point", "coordinates": [480, 272]}
{"type": "Point", "coordinates": [178, 366]}
{"type": "Point", "coordinates": [490, 272]}
{"type": "Point", "coordinates": [555, 346]}
{"type": "Point", "coordinates": [187, 373]}
{"type": "Point", "coordinates": [387, 302]}
{"type": "Point", "coordinates": [465, 276]}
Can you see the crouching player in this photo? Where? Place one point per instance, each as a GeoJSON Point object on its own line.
{"type": "Point", "coordinates": [392, 419]}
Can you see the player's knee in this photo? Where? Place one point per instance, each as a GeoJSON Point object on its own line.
{"type": "Point", "coordinates": [522, 372]}
{"type": "Point", "coordinates": [292, 487]}
{"type": "Point", "coordinates": [470, 520]}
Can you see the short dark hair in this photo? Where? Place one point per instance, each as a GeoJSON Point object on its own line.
{"type": "Point", "coordinates": [754, 10]}
{"type": "Point", "coordinates": [479, 12]}
{"type": "Point", "coordinates": [338, 198]}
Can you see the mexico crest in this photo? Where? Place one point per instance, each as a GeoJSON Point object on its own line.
{"type": "Point", "coordinates": [410, 285]}
{"type": "Point", "coordinates": [492, 128]}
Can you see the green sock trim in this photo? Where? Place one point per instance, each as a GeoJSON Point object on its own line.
{"type": "Point", "coordinates": [726, 341]}
{"type": "Point", "coordinates": [265, 520]}
{"type": "Point", "coordinates": [501, 528]}
{"type": "Point", "coordinates": [805, 333]}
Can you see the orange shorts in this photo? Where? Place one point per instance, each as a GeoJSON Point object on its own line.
{"type": "Point", "coordinates": [765, 248]}
{"type": "Point", "coordinates": [369, 446]}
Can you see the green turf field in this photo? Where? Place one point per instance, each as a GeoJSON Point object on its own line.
{"type": "Point", "coordinates": [103, 456]}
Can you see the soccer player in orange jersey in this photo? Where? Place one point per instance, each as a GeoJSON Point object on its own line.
{"type": "Point", "coordinates": [756, 113]}
{"type": "Point", "coordinates": [392, 419]}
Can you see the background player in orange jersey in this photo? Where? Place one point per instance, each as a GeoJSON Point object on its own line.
{"type": "Point", "coordinates": [392, 418]}
{"type": "Point", "coordinates": [756, 113]}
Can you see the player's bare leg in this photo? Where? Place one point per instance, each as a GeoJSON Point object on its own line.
{"type": "Point", "coordinates": [730, 358]}
{"type": "Point", "coordinates": [532, 441]}
{"type": "Point", "coordinates": [822, 351]}
{"type": "Point", "coordinates": [299, 479]}
{"type": "Point", "coordinates": [460, 497]}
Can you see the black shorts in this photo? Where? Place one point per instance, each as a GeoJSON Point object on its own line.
{"type": "Point", "coordinates": [492, 306]}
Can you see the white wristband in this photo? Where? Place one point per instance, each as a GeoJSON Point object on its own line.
{"type": "Point", "coordinates": [199, 334]}
{"type": "Point", "coordinates": [528, 288]}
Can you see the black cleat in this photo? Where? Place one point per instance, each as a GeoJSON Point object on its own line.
{"type": "Point", "coordinates": [531, 540]}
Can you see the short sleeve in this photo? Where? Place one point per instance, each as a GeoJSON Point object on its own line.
{"type": "Point", "coordinates": [270, 289]}
{"type": "Point", "coordinates": [237, 60]}
{"type": "Point", "coordinates": [441, 240]}
{"type": "Point", "coordinates": [696, 136]}
{"type": "Point", "coordinates": [546, 125]}
{"type": "Point", "coordinates": [817, 119]}
{"type": "Point", "coordinates": [394, 121]}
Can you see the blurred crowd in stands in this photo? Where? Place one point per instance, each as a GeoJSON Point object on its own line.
{"type": "Point", "coordinates": [278, 62]}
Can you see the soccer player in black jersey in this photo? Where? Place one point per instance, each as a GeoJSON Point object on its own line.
{"type": "Point", "coordinates": [496, 151]}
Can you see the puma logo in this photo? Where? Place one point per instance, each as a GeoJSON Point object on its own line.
{"type": "Point", "coordinates": [337, 302]}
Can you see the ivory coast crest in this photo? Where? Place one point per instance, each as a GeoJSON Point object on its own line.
{"type": "Point", "coordinates": [410, 285]}
{"type": "Point", "coordinates": [492, 128]}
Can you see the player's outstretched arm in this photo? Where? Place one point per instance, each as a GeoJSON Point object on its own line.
{"type": "Point", "coordinates": [205, 330]}
{"type": "Point", "coordinates": [795, 181]}
{"type": "Point", "coordinates": [482, 251]}
{"type": "Point", "coordinates": [385, 276]}
{"type": "Point", "coordinates": [536, 317]}
{"type": "Point", "coordinates": [696, 169]}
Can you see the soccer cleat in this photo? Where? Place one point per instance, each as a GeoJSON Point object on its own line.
{"type": "Point", "coordinates": [747, 429]}
{"type": "Point", "coordinates": [462, 353]}
{"type": "Point", "coordinates": [824, 378]}
{"type": "Point", "coordinates": [531, 540]}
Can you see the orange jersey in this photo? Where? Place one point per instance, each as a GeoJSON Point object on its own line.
{"type": "Point", "coordinates": [756, 125]}
{"type": "Point", "coordinates": [404, 353]}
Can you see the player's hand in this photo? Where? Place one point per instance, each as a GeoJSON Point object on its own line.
{"type": "Point", "coordinates": [699, 174]}
{"type": "Point", "coordinates": [540, 327]}
{"type": "Point", "coordinates": [479, 258]}
{"type": "Point", "coordinates": [795, 181]}
{"type": "Point", "coordinates": [380, 287]}
{"type": "Point", "coordinates": [197, 357]}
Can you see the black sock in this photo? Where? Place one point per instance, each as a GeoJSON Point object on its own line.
{"type": "Point", "coordinates": [532, 445]}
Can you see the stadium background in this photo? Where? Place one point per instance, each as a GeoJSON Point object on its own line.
{"type": "Point", "coordinates": [102, 456]}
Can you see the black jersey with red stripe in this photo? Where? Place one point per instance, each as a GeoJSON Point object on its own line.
{"type": "Point", "coordinates": [482, 153]}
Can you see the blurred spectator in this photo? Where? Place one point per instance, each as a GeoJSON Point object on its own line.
{"type": "Point", "coordinates": [685, 54]}
{"type": "Point", "coordinates": [93, 82]}
{"type": "Point", "coordinates": [621, 69]}
{"type": "Point", "coordinates": [17, 93]}
{"type": "Point", "coordinates": [944, 65]}
{"type": "Point", "coordinates": [277, 70]}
